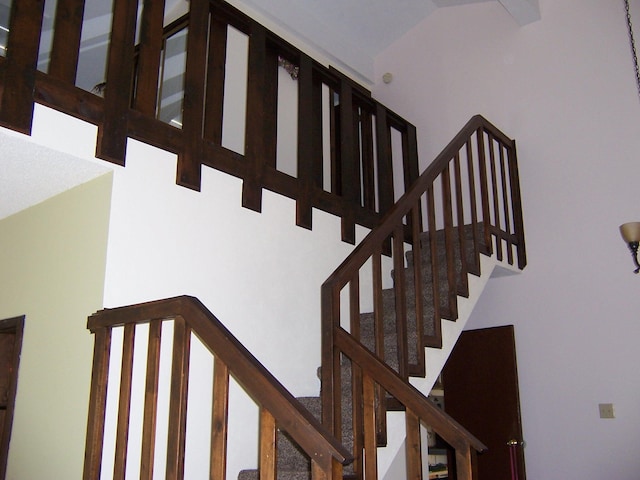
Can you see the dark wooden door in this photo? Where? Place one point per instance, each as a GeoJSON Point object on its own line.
{"type": "Point", "coordinates": [480, 382]}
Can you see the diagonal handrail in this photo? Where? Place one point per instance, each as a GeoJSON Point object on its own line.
{"type": "Point", "coordinates": [278, 407]}
{"type": "Point", "coordinates": [477, 212]}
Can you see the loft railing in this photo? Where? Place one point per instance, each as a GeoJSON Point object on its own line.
{"type": "Point", "coordinates": [279, 410]}
{"type": "Point", "coordinates": [170, 86]}
{"type": "Point", "coordinates": [465, 204]}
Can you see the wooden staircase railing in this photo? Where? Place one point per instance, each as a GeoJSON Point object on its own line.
{"type": "Point", "coordinates": [346, 140]}
{"type": "Point", "coordinates": [468, 200]}
{"type": "Point", "coordinates": [278, 408]}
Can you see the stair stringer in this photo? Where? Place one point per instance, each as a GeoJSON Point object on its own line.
{"type": "Point", "coordinates": [435, 359]}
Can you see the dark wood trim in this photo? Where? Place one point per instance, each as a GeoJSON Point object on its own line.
{"type": "Point", "coordinates": [124, 403]}
{"type": "Point", "coordinates": [97, 403]}
{"type": "Point", "coordinates": [112, 132]}
{"type": "Point", "coordinates": [148, 59]}
{"type": "Point", "coordinates": [14, 326]}
{"type": "Point", "coordinates": [16, 103]}
{"type": "Point", "coordinates": [65, 47]}
{"type": "Point", "coordinates": [151, 401]}
{"type": "Point", "coordinates": [189, 172]}
{"type": "Point", "coordinates": [191, 315]}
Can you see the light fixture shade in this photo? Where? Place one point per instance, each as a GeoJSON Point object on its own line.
{"type": "Point", "coordinates": [630, 232]}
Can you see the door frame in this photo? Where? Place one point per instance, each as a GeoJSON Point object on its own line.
{"type": "Point", "coordinates": [14, 326]}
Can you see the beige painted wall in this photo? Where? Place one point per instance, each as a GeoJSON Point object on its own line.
{"type": "Point", "coordinates": [52, 264]}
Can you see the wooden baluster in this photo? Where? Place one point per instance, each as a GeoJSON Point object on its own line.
{"type": "Point", "coordinates": [410, 159]}
{"type": "Point", "coordinates": [268, 450]}
{"type": "Point", "coordinates": [484, 191]}
{"type": "Point", "coordinates": [65, 47]}
{"type": "Point", "coordinates": [413, 446]}
{"type": "Point", "coordinates": [473, 206]}
{"type": "Point", "coordinates": [150, 51]}
{"type": "Point", "coordinates": [378, 319]}
{"type": "Point", "coordinates": [370, 444]}
{"type": "Point", "coordinates": [356, 374]}
{"type": "Point", "coordinates": [334, 141]}
{"type": "Point", "coordinates": [178, 400]}
{"type": "Point", "coordinates": [349, 167]}
{"type": "Point", "coordinates": [494, 187]}
{"type": "Point", "coordinates": [330, 391]}
{"type": "Point", "coordinates": [400, 299]}
{"type": "Point", "coordinates": [368, 170]}
{"type": "Point", "coordinates": [112, 132]}
{"type": "Point", "coordinates": [516, 202]}
{"type": "Point", "coordinates": [385, 162]}
{"type": "Point", "coordinates": [322, 471]}
{"type": "Point", "coordinates": [151, 401]}
{"type": "Point", "coordinates": [464, 466]}
{"type": "Point", "coordinates": [309, 151]}
{"type": "Point", "coordinates": [452, 290]}
{"type": "Point", "coordinates": [190, 158]}
{"type": "Point", "coordinates": [463, 280]}
{"type": "Point", "coordinates": [124, 403]}
{"type": "Point", "coordinates": [419, 367]}
{"type": "Point", "coordinates": [25, 26]}
{"type": "Point", "coordinates": [97, 404]}
{"type": "Point", "coordinates": [255, 135]}
{"type": "Point", "coordinates": [214, 109]}
{"type": "Point", "coordinates": [219, 419]}
{"type": "Point", "coordinates": [436, 339]}
{"type": "Point", "coordinates": [357, 418]}
{"type": "Point", "coordinates": [505, 205]}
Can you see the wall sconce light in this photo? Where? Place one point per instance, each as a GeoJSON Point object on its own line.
{"type": "Point", "coordinates": [631, 234]}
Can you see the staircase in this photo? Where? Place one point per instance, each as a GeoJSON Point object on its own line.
{"type": "Point", "coordinates": [386, 311]}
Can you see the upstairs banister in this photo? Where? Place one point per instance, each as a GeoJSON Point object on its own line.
{"type": "Point", "coordinates": [278, 407]}
{"type": "Point", "coordinates": [347, 143]}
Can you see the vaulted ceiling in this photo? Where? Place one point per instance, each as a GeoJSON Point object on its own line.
{"type": "Point", "coordinates": [353, 32]}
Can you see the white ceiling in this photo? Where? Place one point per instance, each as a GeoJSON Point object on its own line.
{"type": "Point", "coordinates": [31, 173]}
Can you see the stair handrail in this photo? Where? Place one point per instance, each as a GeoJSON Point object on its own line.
{"type": "Point", "coordinates": [404, 204]}
{"type": "Point", "coordinates": [500, 223]}
{"type": "Point", "coordinates": [278, 408]}
{"type": "Point", "coordinates": [459, 438]}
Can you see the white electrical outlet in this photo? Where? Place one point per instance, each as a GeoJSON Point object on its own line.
{"type": "Point", "coordinates": [606, 410]}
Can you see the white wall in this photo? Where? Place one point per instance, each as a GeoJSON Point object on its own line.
{"type": "Point", "coordinates": [564, 88]}
{"type": "Point", "coordinates": [259, 274]}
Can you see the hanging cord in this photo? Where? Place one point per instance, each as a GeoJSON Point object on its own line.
{"type": "Point", "coordinates": [633, 45]}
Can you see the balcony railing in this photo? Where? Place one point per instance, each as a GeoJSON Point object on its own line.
{"type": "Point", "coordinates": [216, 88]}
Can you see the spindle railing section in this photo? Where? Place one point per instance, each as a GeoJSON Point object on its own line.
{"type": "Point", "coordinates": [465, 204]}
{"type": "Point", "coordinates": [167, 86]}
{"type": "Point", "coordinates": [279, 410]}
